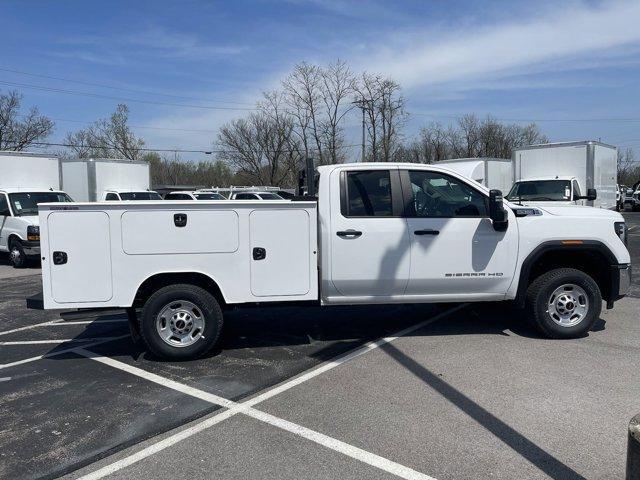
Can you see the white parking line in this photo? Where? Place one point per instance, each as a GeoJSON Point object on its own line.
{"type": "Point", "coordinates": [235, 408]}
{"type": "Point", "coordinates": [245, 407]}
{"type": "Point", "coordinates": [28, 327]}
{"type": "Point", "coordinates": [58, 352]}
{"type": "Point", "coordinates": [61, 322]}
{"type": "Point", "coordinates": [86, 322]}
{"type": "Point", "coordinates": [52, 342]}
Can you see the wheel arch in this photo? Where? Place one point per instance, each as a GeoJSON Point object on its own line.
{"type": "Point", "coordinates": [590, 256]}
{"type": "Point", "coordinates": [159, 280]}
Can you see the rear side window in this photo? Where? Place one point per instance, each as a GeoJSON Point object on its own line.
{"type": "Point", "coordinates": [368, 194]}
{"type": "Point", "coordinates": [111, 196]}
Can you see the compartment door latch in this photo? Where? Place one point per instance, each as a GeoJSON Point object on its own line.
{"type": "Point", "coordinates": [259, 253]}
{"type": "Point", "coordinates": [59, 258]}
{"type": "Point", "coordinates": [180, 219]}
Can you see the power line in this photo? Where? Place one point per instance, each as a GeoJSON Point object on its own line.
{"type": "Point", "coordinates": [248, 108]}
{"type": "Point", "coordinates": [147, 127]}
{"type": "Point", "coordinates": [147, 149]}
{"type": "Point", "coordinates": [123, 89]}
{"type": "Point", "coordinates": [120, 99]}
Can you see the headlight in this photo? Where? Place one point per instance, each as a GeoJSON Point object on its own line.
{"type": "Point", "coordinates": [33, 233]}
{"type": "Point", "coordinates": [621, 230]}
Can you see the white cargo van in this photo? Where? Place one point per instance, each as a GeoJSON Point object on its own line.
{"type": "Point", "coordinates": [490, 172]}
{"type": "Point", "coordinates": [26, 179]}
{"type": "Point", "coordinates": [100, 179]}
{"type": "Point", "coordinates": [378, 233]}
{"type": "Point", "coordinates": [579, 173]}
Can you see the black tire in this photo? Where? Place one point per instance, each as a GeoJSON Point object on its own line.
{"type": "Point", "coordinates": [17, 257]}
{"type": "Point", "coordinates": [539, 294]}
{"type": "Point", "coordinates": [208, 307]}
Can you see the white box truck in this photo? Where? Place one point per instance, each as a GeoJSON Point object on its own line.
{"type": "Point", "coordinates": [581, 173]}
{"type": "Point", "coordinates": [26, 179]}
{"type": "Point", "coordinates": [491, 172]}
{"type": "Point", "coordinates": [378, 233]}
{"type": "Point", "coordinates": [107, 179]}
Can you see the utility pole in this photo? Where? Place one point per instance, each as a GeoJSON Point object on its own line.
{"type": "Point", "coordinates": [360, 104]}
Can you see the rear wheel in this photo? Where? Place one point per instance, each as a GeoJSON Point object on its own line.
{"type": "Point", "coordinates": [16, 254]}
{"type": "Point", "coordinates": [564, 303]}
{"type": "Point", "coordinates": [180, 322]}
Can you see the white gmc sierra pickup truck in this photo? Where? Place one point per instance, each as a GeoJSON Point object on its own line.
{"type": "Point", "coordinates": [378, 233]}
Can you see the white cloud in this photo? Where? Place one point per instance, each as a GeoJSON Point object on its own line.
{"type": "Point", "coordinates": [172, 44]}
{"type": "Point", "coordinates": [575, 33]}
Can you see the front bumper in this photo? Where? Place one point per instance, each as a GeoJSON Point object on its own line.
{"type": "Point", "coordinates": [31, 247]}
{"type": "Point", "coordinates": [620, 282]}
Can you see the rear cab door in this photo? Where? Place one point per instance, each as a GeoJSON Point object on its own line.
{"type": "Point", "coordinates": [367, 236]}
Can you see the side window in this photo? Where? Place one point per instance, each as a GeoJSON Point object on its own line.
{"type": "Point", "coordinates": [368, 194]}
{"type": "Point", "coordinates": [246, 196]}
{"type": "Point", "coordinates": [436, 194]}
{"type": "Point", "coordinates": [170, 196]}
{"type": "Point", "coordinates": [4, 206]}
{"type": "Point", "coordinates": [111, 197]}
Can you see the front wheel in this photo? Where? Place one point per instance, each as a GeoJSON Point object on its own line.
{"type": "Point", "coordinates": [16, 254]}
{"type": "Point", "coordinates": [180, 322]}
{"type": "Point", "coordinates": [564, 303]}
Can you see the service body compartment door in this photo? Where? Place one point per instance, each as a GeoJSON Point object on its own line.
{"type": "Point", "coordinates": [280, 247]}
{"type": "Point", "coordinates": [79, 257]}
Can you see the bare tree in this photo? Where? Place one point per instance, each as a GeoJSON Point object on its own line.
{"type": "Point", "coordinates": [384, 109]}
{"type": "Point", "coordinates": [470, 137]}
{"type": "Point", "coordinates": [337, 89]}
{"type": "Point", "coordinates": [262, 148]}
{"type": "Point", "coordinates": [15, 134]}
{"type": "Point", "coordinates": [110, 137]}
{"type": "Point", "coordinates": [302, 96]}
{"type": "Point", "coordinates": [628, 168]}
{"type": "Point", "coordinates": [318, 100]}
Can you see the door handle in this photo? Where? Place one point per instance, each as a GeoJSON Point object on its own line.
{"type": "Point", "coordinates": [427, 231]}
{"type": "Point", "coordinates": [349, 233]}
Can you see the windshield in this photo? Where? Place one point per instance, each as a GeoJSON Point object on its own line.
{"type": "Point", "coordinates": [140, 196]}
{"type": "Point", "coordinates": [270, 196]}
{"type": "Point", "coordinates": [209, 196]}
{"type": "Point", "coordinates": [26, 203]}
{"type": "Point", "coordinates": [551, 190]}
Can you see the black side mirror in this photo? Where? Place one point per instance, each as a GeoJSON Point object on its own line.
{"type": "Point", "coordinates": [497, 213]}
{"type": "Point", "coordinates": [5, 213]}
{"type": "Point", "coordinates": [591, 195]}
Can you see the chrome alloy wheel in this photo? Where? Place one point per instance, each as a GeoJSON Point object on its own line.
{"type": "Point", "coordinates": [180, 323]}
{"type": "Point", "coordinates": [568, 305]}
{"type": "Point", "coordinates": [16, 256]}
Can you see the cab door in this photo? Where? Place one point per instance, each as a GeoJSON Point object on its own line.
{"type": "Point", "coordinates": [454, 248]}
{"type": "Point", "coordinates": [368, 234]}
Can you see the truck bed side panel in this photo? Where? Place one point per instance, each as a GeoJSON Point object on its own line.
{"type": "Point", "coordinates": [142, 240]}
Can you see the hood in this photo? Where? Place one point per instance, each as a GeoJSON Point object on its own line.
{"type": "Point", "coordinates": [580, 211]}
{"type": "Point", "coordinates": [31, 219]}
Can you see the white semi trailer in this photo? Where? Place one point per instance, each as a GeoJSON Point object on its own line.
{"type": "Point", "coordinates": [100, 179]}
{"type": "Point", "coordinates": [377, 233]}
{"type": "Point", "coordinates": [490, 172]}
{"type": "Point", "coordinates": [580, 173]}
{"type": "Point", "coordinates": [26, 179]}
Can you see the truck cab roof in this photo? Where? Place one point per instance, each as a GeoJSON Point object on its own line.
{"type": "Point", "coordinates": [28, 190]}
{"type": "Point", "coordinates": [555, 177]}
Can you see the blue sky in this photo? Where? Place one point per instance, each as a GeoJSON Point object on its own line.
{"type": "Point", "coordinates": [573, 66]}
